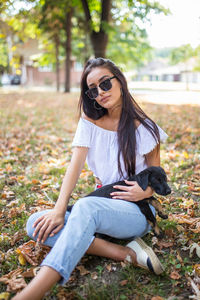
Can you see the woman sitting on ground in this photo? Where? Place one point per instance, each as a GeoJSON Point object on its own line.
{"type": "Point", "coordinates": [118, 139]}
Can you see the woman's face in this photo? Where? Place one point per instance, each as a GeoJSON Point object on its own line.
{"type": "Point", "coordinates": [108, 99]}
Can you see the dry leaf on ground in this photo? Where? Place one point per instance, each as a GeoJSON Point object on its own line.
{"type": "Point", "coordinates": [82, 270]}
{"type": "Point", "coordinates": [14, 280]}
{"type": "Point", "coordinates": [4, 296]}
{"type": "Point", "coordinates": [123, 282]}
{"type": "Point", "coordinates": [175, 275]}
{"type": "Point", "coordinates": [33, 252]}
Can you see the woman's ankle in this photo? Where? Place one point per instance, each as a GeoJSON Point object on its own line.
{"type": "Point", "coordinates": [131, 256]}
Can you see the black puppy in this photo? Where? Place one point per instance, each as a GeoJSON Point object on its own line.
{"type": "Point", "coordinates": [152, 176]}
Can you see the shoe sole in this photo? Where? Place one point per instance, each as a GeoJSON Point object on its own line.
{"type": "Point", "coordinates": [156, 264]}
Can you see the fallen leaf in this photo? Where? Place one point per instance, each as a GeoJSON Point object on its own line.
{"type": "Point", "coordinates": [63, 295]}
{"type": "Point", "coordinates": [35, 181]}
{"type": "Point", "coordinates": [33, 252]}
{"type": "Point", "coordinates": [197, 269]}
{"type": "Point", "coordinates": [185, 154]}
{"type": "Point", "coordinates": [94, 275]}
{"type": "Point", "coordinates": [157, 298]}
{"type": "Point", "coordinates": [17, 237]}
{"type": "Point", "coordinates": [123, 264]}
{"type": "Point", "coordinates": [31, 272]}
{"type": "Point", "coordinates": [82, 270]}
{"type": "Point", "coordinates": [5, 296]}
{"type": "Point", "coordinates": [170, 232]}
{"type": "Point", "coordinates": [9, 195]}
{"type": "Point", "coordinates": [22, 259]}
{"type": "Point", "coordinates": [9, 168]}
{"type": "Point", "coordinates": [197, 229]}
{"type": "Point", "coordinates": [175, 275]}
{"type": "Point", "coordinates": [162, 244]}
{"type": "Point", "coordinates": [14, 280]}
{"type": "Point", "coordinates": [44, 202]}
{"type": "Point", "coordinates": [154, 240]}
{"type": "Point", "coordinates": [109, 267]}
{"type": "Point", "coordinates": [4, 237]}
{"type": "Point", "coordinates": [123, 282]}
{"type": "Point", "coordinates": [187, 203]}
{"type": "Point", "coordinates": [195, 288]}
{"type": "Point", "coordinates": [196, 247]}
{"type": "Point", "coordinates": [179, 257]}
{"type": "Point", "coordinates": [183, 219]}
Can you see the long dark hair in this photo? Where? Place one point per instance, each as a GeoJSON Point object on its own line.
{"type": "Point", "coordinates": [130, 111]}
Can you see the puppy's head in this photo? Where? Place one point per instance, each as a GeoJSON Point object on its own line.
{"type": "Point", "coordinates": [154, 177]}
{"type": "Point", "coordinates": [158, 181]}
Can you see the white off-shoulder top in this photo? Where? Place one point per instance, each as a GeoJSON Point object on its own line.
{"type": "Point", "coordinates": [103, 149]}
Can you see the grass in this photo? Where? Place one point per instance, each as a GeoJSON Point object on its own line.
{"type": "Point", "coordinates": [36, 134]}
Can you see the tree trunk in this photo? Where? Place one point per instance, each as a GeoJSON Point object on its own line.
{"type": "Point", "coordinates": [57, 42]}
{"type": "Point", "coordinates": [99, 43]}
{"type": "Point", "coordinates": [68, 50]}
{"type": "Point", "coordinates": [99, 39]}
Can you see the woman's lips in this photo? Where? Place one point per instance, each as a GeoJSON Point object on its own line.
{"type": "Point", "coordinates": [104, 99]}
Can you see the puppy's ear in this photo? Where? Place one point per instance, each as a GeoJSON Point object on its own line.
{"type": "Point", "coordinates": [143, 179]}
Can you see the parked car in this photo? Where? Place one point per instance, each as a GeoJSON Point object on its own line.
{"type": "Point", "coordinates": [5, 79]}
{"type": "Point", "coordinates": [15, 79]}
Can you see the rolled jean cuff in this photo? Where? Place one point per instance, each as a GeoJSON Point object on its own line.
{"type": "Point", "coordinates": [60, 269]}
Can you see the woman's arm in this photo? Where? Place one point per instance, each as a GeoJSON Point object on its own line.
{"type": "Point", "coordinates": [133, 192]}
{"type": "Point", "coordinates": [71, 178]}
{"type": "Point", "coordinates": [153, 157]}
{"type": "Point", "coordinates": [53, 221]}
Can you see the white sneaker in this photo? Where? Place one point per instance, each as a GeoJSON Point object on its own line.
{"type": "Point", "coordinates": [145, 256]}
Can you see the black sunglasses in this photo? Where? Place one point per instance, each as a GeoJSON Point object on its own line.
{"type": "Point", "coordinates": [105, 85]}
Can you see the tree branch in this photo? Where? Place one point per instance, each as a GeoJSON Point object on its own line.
{"type": "Point", "coordinates": [105, 13]}
{"type": "Point", "coordinates": [86, 10]}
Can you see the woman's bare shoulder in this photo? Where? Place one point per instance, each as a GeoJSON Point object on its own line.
{"type": "Point", "coordinates": [87, 118]}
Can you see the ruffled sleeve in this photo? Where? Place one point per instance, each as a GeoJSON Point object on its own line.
{"type": "Point", "coordinates": [145, 141]}
{"type": "Point", "coordinates": [83, 135]}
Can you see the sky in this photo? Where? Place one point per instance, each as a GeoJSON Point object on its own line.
{"type": "Point", "coordinates": [179, 28]}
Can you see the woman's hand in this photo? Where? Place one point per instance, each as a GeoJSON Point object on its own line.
{"type": "Point", "coordinates": [133, 192]}
{"type": "Point", "coordinates": [48, 225]}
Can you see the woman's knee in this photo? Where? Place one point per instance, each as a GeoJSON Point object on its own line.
{"type": "Point", "coordinates": [30, 222]}
{"type": "Point", "coordinates": [29, 225]}
{"type": "Point", "coordinates": [86, 205]}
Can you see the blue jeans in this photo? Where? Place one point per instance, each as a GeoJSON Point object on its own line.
{"type": "Point", "coordinates": [116, 218]}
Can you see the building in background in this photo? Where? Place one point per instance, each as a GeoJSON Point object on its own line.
{"type": "Point", "coordinates": [159, 70]}
{"type": "Point", "coordinates": [41, 76]}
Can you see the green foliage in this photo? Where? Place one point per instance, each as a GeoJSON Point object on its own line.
{"type": "Point", "coordinates": [44, 20]}
{"type": "Point", "coordinates": [184, 53]}
{"type": "Point", "coordinates": [18, 26]}
{"type": "Point", "coordinates": [163, 52]}
{"type": "Point", "coordinates": [128, 39]}
{"type": "Point", "coordinates": [197, 56]}
{"type": "Point", "coordinates": [133, 48]}
{"type": "Point", "coordinates": [181, 54]}
{"type": "Point", "coordinates": [4, 55]}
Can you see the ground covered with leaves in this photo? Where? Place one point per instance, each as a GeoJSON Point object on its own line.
{"type": "Point", "coordinates": [36, 131]}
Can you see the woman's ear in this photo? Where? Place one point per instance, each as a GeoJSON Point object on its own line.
{"type": "Point", "coordinates": [143, 179]}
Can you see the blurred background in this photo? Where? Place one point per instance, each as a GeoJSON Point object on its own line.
{"type": "Point", "coordinates": [44, 44]}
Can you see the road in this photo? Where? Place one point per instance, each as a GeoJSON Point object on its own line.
{"type": "Point", "coordinates": [159, 93]}
{"type": "Point", "coordinates": [167, 97]}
